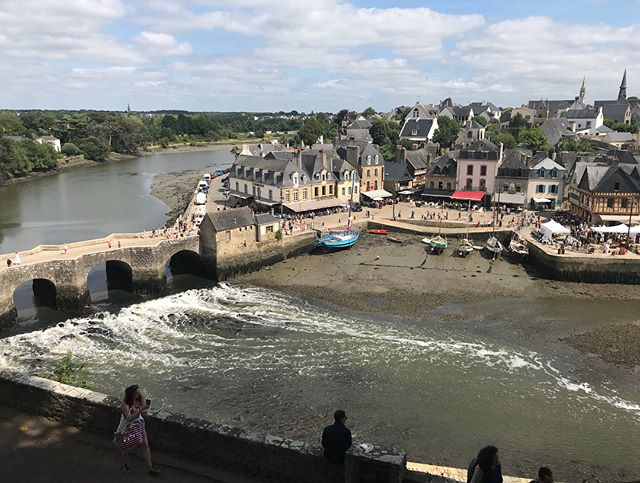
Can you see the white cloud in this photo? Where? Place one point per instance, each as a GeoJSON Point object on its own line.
{"type": "Point", "coordinates": [164, 44]}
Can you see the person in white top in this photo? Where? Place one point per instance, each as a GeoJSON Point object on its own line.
{"type": "Point", "coordinates": [17, 260]}
{"type": "Point", "coordinates": [134, 408]}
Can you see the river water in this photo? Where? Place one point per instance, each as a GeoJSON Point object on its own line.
{"type": "Point", "coordinates": [258, 359]}
{"type": "Point", "coordinates": [93, 201]}
{"type": "Point", "coordinates": [439, 387]}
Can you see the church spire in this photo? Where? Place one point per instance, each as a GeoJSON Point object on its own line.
{"type": "Point", "coordinates": [583, 90]}
{"type": "Point", "coordinates": [622, 95]}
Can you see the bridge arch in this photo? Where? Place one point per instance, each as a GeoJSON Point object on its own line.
{"type": "Point", "coordinates": [185, 262]}
{"type": "Point", "coordinates": [107, 276]}
{"type": "Point", "coordinates": [33, 294]}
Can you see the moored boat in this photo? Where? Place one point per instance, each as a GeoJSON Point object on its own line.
{"type": "Point", "coordinates": [379, 232]}
{"type": "Point", "coordinates": [438, 244]}
{"type": "Point", "coordinates": [494, 246]}
{"type": "Point", "coordinates": [466, 247]}
{"type": "Point", "coordinates": [344, 239]}
{"type": "Point", "coordinates": [518, 246]}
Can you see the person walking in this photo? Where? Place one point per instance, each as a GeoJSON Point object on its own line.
{"type": "Point", "coordinates": [17, 260]}
{"type": "Point", "coordinates": [133, 408]}
{"type": "Point", "coordinates": [336, 439]}
{"type": "Point", "coordinates": [544, 476]}
{"type": "Point", "coordinates": [486, 467]}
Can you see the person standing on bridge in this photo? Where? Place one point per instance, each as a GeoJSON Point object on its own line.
{"type": "Point", "coordinates": [133, 409]}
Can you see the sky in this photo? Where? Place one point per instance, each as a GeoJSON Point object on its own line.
{"type": "Point", "coordinates": [311, 55]}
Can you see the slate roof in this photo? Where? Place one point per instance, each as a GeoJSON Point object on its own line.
{"type": "Point", "coordinates": [615, 110]}
{"type": "Point", "coordinates": [281, 155]}
{"type": "Point", "coordinates": [366, 148]}
{"type": "Point", "coordinates": [514, 159]}
{"type": "Point", "coordinates": [423, 126]}
{"type": "Point", "coordinates": [588, 113]}
{"type": "Point", "coordinates": [553, 107]}
{"type": "Point", "coordinates": [231, 218]}
{"type": "Point", "coordinates": [418, 159]}
{"type": "Point", "coordinates": [616, 155]}
{"type": "Point", "coordinates": [555, 129]}
{"type": "Point", "coordinates": [266, 219]}
{"type": "Point", "coordinates": [480, 107]}
{"type": "Point", "coordinates": [440, 163]}
{"type": "Point", "coordinates": [603, 179]}
{"type": "Point", "coordinates": [397, 172]}
{"type": "Point", "coordinates": [548, 164]}
{"type": "Point", "coordinates": [475, 125]}
{"type": "Point", "coordinates": [360, 124]}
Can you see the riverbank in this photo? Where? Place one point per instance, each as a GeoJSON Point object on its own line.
{"type": "Point", "coordinates": [175, 190]}
{"type": "Point", "coordinates": [73, 162]}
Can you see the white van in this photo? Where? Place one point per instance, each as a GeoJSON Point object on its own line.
{"type": "Point", "coordinates": [202, 185]}
{"type": "Point", "coordinates": [206, 177]}
{"type": "Point", "coordinates": [201, 199]}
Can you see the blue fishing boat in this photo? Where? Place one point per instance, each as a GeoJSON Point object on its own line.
{"type": "Point", "coordinates": [343, 239]}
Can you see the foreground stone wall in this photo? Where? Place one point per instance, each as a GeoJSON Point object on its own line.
{"type": "Point", "coordinates": [584, 269]}
{"type": "Point", "coordinates": [233, 449]}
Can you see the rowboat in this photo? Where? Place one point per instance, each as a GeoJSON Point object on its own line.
{"type": "Point", "coordinates": [465, 247]}
{"type": "Point", "coordinates": [379, 232]}
{"type": "Point", "coordinates": [438, 244]}
{"type": "Point", "coordinates": [344, 239]}
{"type": "Point", "coordinates": [494, 246]}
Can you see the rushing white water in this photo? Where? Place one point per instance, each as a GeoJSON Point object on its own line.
{"type": "Point", "coordinates": [227, 351]}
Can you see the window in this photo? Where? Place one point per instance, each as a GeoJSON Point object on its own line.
{"type": "Point", "coordinates": [448, 185]}
{"type": "Point", "coordinates": [287, 197]}
{"type": "Point", "coordinates": [228, 235]}
{"type": "Point", "coordinates": [436, 170]}
{"type": "Point", "coordinates": [624, 203]}
{"type": "Point", "coordinates": [609, 202]}
{"type": "Point", "coordinates": [246, 189]}
{"type": "Point", "coordinates": [324, 191]}
{"type": "Point", "coordinates": [469, 186]}
{"type": "Point", "coordinates": [375, 172]}
{"type": "Point", "coordinates": [270, 229]}
{"type": "Point", "coordinates": [324, 177]}
{"type": "Point", "coordinates": [355, 189]}
{"type": "Point", "coordinates": [304, 194]}
{"type": "Point", "coordinates": [432, 184]}
{"type": "Point", "coordinates": [470, 170]}
{"type": "Point", "coordinates": [376, 158]}
{"type": "Point", "coordinates": [518, 188]}
{"type": "Point", "coordinates": [315, 191]}
{"type": "Point", "coordinates": [414, 132]}
{"type": "Point", "coordinates": [237, 186]}
{"type": "Point", "coordinates": [344, 191]}
{"type": "Point", "coordinates": [375, 183]}
{"type": "Point", "coordinates": [542, 173]}
{"type": "Point", "coordinates": [368, 159]}
{"type": "Point", "coordinates": [553, 188]}
{"type": "Point", "coordinates": [270, 194]}
{"type": "Point", "coordinates": [540, 188]}
{"type": "Point", "coordinates": [554, 173]}
{"type": "Point", "coordinates": [589, 124]}
{"type": "Point", "coordinates": [330, 189]}
{"type": "Point", "coordinates": [295, 195]}
{"type": "Point", "coordinates": [483, 184]}
{"type": "Point", "coordinates": [349, 189]}
{"type": "Point", "coordinates": [616, 187]}
{"type": "Point", "coordinates": [483, 170]}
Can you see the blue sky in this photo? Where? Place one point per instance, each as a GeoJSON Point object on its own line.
{"type": "Point", "coordinates": [261, 55]}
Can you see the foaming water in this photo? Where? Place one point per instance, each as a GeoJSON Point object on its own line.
{"type": "Point", "coordinates": [245, 354]}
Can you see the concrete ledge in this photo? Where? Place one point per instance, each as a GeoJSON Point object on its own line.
{"type": "Point", "coordinates": [225, 447]}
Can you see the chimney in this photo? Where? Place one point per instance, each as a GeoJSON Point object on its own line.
{"type": "Point", "coordinates": [401, 154]}
{"type": "Point", "coordinates": [353, 154]}
{"type": "Point", "coordinates": [297, 158]}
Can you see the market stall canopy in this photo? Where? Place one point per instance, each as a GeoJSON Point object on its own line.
{"type": "Point", "coordinates": [542, 200]}
{"type": "Point", "coordinates": [553, 227]}
{"type": "Point", "coordinates": [510, 199]}
{"type": "Point", "coordinates": [438, 193]}
{"type": "Point", "coordinates": [622, 228]}
{"type": "Point", "coordinates": [311, 205]}
{"type": "Point", "coordinates": [468, 195]}
{"type": "Point", "coordinates": [619, 218]}
{"type": "Point", "coordinates": [377, 194]}
{"type": "Point", "coordinates": [635, 230]}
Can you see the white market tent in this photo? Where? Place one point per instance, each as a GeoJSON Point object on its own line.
{"type": "Point", "coordinates": [621, 228]}
{"type": "Point", "coordinates": [542, 200]}
{"type": "Point", "coordinates": [635, 230]}
{"type": "Point", "coordinates": [551, 228]}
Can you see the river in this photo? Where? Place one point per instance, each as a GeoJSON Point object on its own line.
{"type": "Point", "coordinates": [93, 201]}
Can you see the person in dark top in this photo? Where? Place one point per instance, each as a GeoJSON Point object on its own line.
{"type": "Point", "coordinates": [544, 476]}
{"type": "Point", "coordinates": [336, 439]}
{"type": "Point", "coordinates": [486, 467]}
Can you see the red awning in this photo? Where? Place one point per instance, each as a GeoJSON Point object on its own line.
{"type": "Point", "coordinates": [468, 195]}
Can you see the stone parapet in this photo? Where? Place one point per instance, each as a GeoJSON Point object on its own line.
{"type": "Point", "coordinates": [225, 447]}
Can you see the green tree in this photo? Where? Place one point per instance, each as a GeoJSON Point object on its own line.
{"type": "Point", "coordinates": [310, 131]}
{"type": "Point", "coordinates": [533, 139]}
{"type": "Point", "coordinates": [70, 149]}
{"type": "Point", "coordinates": [516, 125]}
{"type": "Point", "coordinates": [10, 123]}
{"type": "Point", "coordinates": [94, 148]}
{"type": "Point", "coordinates": [480, 120]}
{"type": "Point", "coordinates": [506, 138]}
{"type": "Point", "coordinates": [369, 112]}
{"type": "Point", "coordinates": [127, 134]}
{"type": "Point", "coordinates": [447, 131]}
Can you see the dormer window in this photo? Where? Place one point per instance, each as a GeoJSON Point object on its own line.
{"type": "Point", "coordinates": [542, 173]}
{"type": "Point", "coordinates": [414, 132]}
{"type": "Point", "coordinates": [368, 159]}
{"type": "Point", "coordinates": [416, 113]}
{"type": "Point", "coordinates": [376, 159]}
{"type": "Point", "coordinates": [554, 173]}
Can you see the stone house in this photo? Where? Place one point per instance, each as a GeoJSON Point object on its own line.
{"type": "Point", "coordinates": [528, 114]}
{"type": "Point", "coordinates": [478, 166]}
{"type": "Point", "coordinates": [462, 114]}
{"type": "Point", "coordinates": [585, 121]}
{"type": "Point", "coordinates": [359, 130]}
{"type": "Point", "coordinates": [419, 130]}
{"type": "Point", "coordinates": [488, 110]}
{"type": "Point", "coordinates": [470, 132]}
{"type": "Point", "coordinates": [417, 162]}
{"type": "Point", "coordinates": [228, 232]}
{"type": "Point", "coordinates": [512, 179]}
{"type": "Point", "coordinates": [440, 181]}
{"type": "Point", "coordinates": [367, 159]}
{"type": "Point", "coordinates": [545, 187]}
{"type": "Point", "coordinates": [53, 141]}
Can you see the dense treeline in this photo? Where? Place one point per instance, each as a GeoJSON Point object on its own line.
{"type": "Point", "coordinates": [95, 134]}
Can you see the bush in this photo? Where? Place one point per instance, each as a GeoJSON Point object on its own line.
{"type": "Point", "coordinates": [70, 149]}
{"type": "Point", "coordinates": [279, 235]}
{"type": "Point", "coordinates": [70, 372]}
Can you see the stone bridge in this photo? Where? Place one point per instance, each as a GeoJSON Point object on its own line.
{"type": "Point", "coordinates": [134, 262]}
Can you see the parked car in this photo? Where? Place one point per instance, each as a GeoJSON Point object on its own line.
{"type": "Point", "coordinates": [201, 199]}
{"type": "Point", "coordinates": [206, 177]}
{"type": "Point", "coordinates": [218, 172]}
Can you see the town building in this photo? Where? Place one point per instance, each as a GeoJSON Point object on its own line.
{"type": "Point", "coordinates": [618, 110]}
{"type": "Point", "coordinates": [440, 181]}
{"type": "Point", "coordinates": [587, 121]}
{"type": "Point", "coordinates": [478, 166]}
{"type": "Point", "coordinates": [470, 132]}
{"type": "Point", "coordinates": [546, 109]}
{"type": "Point", "coordinates": [606, 193]}
{"type": "Point", "coordinates": [311, 180]}
{"type": "Point", "coordinates": [359, 130]}
{"type": "Point", "coordinates": [417, 162]}
{"type": "Point", "coordinates": [366, 158]}
{"type": "Point", "coordinates": [423, 111]}
{"type": "Point", "coordinates": [51, 140]}
{"type": "Point", "coordinates": [488, 110]}
{"type": "Point", "coordinates": [545, 189]}
{"type": "Point", "coordinates": [398, 179]}
{"type": "Point", "coordinates": [419, 129]}
{"type": "Point", "coordinates": [557, 128]}
{"type": "Point", "coordinates": [529, 116]}
{"type": "Point", "coordinates": [462, 114]}
{"type": "Point", "coordinates": [512, 179]}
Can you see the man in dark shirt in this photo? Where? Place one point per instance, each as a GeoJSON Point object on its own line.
{"type": "Point", "coordinates": [336, 439]}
